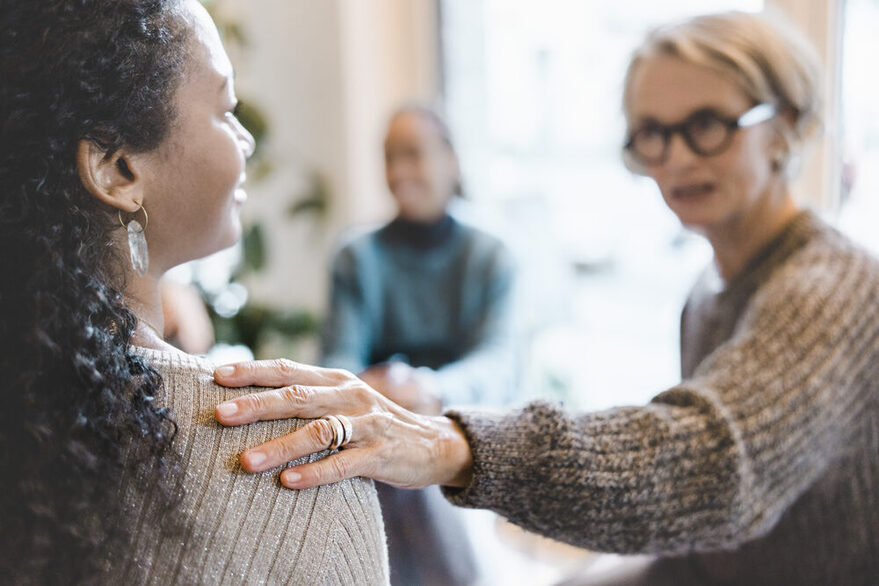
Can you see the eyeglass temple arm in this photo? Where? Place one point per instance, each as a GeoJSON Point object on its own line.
{"type": "Point", "coordinates": [756, 115]}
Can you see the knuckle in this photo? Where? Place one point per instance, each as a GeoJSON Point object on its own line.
{"type": "Point", "coordinates": [339, 374]}
{"type": "Point", "coordinates": [361, 392]}
{"type": "Point", "coordinates": [254, 402]}
{"type": "Point", "coordinates": [374, 426]}
{"type": "Point", "coordinates": [340, 466]}
{"type": "Point", "coordinates": [286, 367]}
{"type": "Point", "coordinates": [293, 395]}
{"type": "Point", "coordinates": [321, 432]}
{"type": "Point", "coordinates": [384, 421]}
{"type": "Point", "coordinates": [277, 452]}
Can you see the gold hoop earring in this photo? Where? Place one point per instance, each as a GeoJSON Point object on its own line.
{"type": "Point", "coordinates": [146, 217]}
{"type": "Point", "coordinates": [137, 244]}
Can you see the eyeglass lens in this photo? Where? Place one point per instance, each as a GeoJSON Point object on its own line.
{"type": "Point", "coordinates": [705, 132]}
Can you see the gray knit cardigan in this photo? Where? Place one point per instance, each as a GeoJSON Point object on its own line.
{"type": "Point", "coordinates": [760, 467]}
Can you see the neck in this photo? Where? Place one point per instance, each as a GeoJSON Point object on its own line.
{"type": "Point", "coordinates": [143, 297]}
{"type": "Point", "coordinates": [421, 235]}
{"type": "Point", "coordinates": [736, 242]}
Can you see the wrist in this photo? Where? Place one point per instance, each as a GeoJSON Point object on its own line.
{"type": "Point", "coordinates": [454, 452]}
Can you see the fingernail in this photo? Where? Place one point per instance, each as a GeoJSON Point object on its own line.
{"type": "Point", "coordinates": [291, 477]}
{"type": "Point", "coordinates": [255, 458]}
{"type": "Point", "coordinates": [227, 409]}
{"type": "Point", "coordinates": [224, 371]}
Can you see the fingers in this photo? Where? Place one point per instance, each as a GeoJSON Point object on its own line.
{"type": "Point", "coordinates": [313, 437]}
{"type": "Point", "coordinates": [401, 449]}
{"type": "Point", "coordinates": [294, 401]}
{"type": "Point", "coordinates": [273, 373]}
{"type": "Point", "coordinates": [344, 464]}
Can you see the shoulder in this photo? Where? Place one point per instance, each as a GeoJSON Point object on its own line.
{"type": "Point", "coordinates": [829, 268]}
{"type": "Point", "coordinates": [828, 259]}
{"type": "Point", "coordinates": [485, 249]}
{"type": "Point", "coordinates": [188, 382]}
{"type": "Point", "coordinates": [479, 238]}
{"type": "Point", "coordinates": [177, 363]}
{"type": "Point", "coordinates": [319, 526]}
{"type": "Point", "coordinates": [355, 247]}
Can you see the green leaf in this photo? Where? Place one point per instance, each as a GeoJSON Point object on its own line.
{"type": "Point", "coordinates": [254, 248]}
{"type": "Point", "coordinates": [316, 200]}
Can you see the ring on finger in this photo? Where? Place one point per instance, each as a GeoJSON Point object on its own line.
{"type": "Point", "coordinates": [347, 429]}
{"type": "Point", "coordinates": [342, 430]}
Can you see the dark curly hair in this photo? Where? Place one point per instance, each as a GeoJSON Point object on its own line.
{"type": "Point", "coordinates": [75, 399]}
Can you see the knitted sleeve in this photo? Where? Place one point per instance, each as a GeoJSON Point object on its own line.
{"type": "Point", "coordinates": [714, 461]}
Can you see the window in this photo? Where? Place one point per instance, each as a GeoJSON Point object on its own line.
{"type": "Point", "coordinates": [533, 98]}
{"type": "Point", "coordinates": [860, 123]}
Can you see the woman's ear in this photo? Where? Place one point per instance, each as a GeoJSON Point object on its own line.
{"type": "Point", "coordinates": [785, 124]}
{"type": "Point", "coordinates": [114, 179]}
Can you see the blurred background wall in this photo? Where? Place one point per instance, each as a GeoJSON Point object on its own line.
{"type": "Point", "coordinates": [325, 75]}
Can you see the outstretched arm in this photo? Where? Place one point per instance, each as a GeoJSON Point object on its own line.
{"type": "Point", "coordinates": [711, 463]}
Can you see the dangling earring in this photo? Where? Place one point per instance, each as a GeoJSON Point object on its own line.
{"type": "Point", "coordinates": [137, 244]}
{"type": "Point", "coordinates": [779, 159]}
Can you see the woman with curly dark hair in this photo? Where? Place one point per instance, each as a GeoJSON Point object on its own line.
{"type": "Point", "coordinates": [121, 157]}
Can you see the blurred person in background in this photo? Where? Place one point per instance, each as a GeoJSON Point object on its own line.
{"type": "Point", "coordinates": [762, 465]}
{"type": "Point", "coordinates": [421, 308]}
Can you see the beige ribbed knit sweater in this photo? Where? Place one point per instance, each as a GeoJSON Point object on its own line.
{"type": "Point", "coordinates": [243, 528]}
{"type": "Point", "coordinates": [760, 467]}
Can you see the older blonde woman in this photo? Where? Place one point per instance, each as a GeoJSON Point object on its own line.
{"type": "Point", "coordinates": [762, 465]}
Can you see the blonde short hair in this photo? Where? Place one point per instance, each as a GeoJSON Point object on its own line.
{"type": "Point", "coordinates": [768, 59]}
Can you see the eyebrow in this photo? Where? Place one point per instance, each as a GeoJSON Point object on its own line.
{"type": "Point", "coordinates": [649, 118]}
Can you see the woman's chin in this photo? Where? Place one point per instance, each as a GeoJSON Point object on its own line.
{"type": "Point", "coordinates": [233, 237]}
{"type": "Point", "coordinates": [696, 218]}
{"type": "Point", "coordinates": [421, 216]}
{"type": "Point", "coordinates": [230, 237]}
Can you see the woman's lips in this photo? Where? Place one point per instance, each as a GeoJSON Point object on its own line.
{"type": "Point", "coordinates": [692, 191]}
{"type": "Point", "coordinates": [240, 196]}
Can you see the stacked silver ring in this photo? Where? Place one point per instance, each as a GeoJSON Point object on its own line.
{"type": "Point", "coordinates": [342, 430]}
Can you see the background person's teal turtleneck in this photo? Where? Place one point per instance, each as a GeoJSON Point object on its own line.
{"type": "Point", "coordinates": [436, 295]}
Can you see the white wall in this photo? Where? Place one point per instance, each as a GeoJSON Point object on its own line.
{"type": "Point", "coordinates": [821, 21]}
{"type": "Point", "coordinates": [326, 73]}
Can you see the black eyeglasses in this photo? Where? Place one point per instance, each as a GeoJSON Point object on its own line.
{"type": "Point", "coordinates": [706, 132]}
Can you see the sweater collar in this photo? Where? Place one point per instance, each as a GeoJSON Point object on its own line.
{"type": "Point", "coordinates": [422, 236]}
{"type": "Point", "coordinates": [792, 237]}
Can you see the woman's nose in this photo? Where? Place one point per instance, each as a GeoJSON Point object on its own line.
{"type": "Point", "coordinates": [679, 152]}
{"type": "Point", "coordinates": [398, 168]}
{"type": "Point", "coordinates": [248, 144]}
